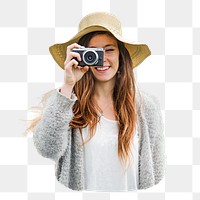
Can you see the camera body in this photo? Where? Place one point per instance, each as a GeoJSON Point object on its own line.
{"type": "Point", "coordinates": [90, 56]}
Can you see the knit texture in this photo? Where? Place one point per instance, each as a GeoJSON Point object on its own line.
{"type": "Point", "coordinates": [54, 139]}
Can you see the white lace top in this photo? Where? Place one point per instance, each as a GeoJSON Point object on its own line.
{"type": "Point", "coordinates": [102, 166]}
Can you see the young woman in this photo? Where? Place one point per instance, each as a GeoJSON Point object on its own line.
{"type": "Point", "coordinates": [101, 131]}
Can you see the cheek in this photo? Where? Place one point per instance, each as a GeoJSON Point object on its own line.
{"type": "Point", "coordinates": [116, 61]}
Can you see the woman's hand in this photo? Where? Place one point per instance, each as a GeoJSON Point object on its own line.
{"type": "Point", "coordinates": [72, 72]}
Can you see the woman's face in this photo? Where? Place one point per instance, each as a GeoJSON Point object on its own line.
{"type": "Point", "coordinates": [110, 66]}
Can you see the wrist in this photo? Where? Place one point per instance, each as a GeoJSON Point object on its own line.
{"type": "Point", "coordinates": [66, 90]}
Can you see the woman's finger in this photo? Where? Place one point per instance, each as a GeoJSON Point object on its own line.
{"type": "Point", "coordinates": [75, 55]}
{"type": "Point", "coordinates": [70, 64]}
{"type": "Point", "coordinates": [85, 68]}
{"type": "Point", "coordinates": [72, 46]}
{"type": "Point", "coordinates": [70, 55]}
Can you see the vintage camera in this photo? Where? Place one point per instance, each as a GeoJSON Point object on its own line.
{"type": "Point", "coordinates": [90, 56]}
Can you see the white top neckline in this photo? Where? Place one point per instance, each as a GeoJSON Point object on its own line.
{"type": "Point", "coordinates": [109, 120]}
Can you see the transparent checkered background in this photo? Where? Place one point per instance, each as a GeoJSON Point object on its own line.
{"type": "Point", "coordinates": [171, 28]}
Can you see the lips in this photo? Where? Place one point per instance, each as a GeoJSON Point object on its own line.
{"type": "Point", "coordinates": [102, 68]}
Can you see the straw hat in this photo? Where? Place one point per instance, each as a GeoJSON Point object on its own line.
{"type": "Point", "coordinates": [101, 21]}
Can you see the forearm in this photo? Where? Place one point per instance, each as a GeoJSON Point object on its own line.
{"type": "Point", "coordinates": [66, 90]}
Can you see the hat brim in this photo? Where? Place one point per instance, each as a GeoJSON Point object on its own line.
{"type": "Point", "coordinates": [138, 52]}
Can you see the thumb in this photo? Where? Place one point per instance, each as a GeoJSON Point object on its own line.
{"type": "Point", "coordinates": [85, 69]}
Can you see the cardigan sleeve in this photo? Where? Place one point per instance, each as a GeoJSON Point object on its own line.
{"type": "Point", "coordinates": [153, 142]}
{"type": "Point", "coordinates": [156, 131]}
{"type": "Point", "coordinates": [51, 134]}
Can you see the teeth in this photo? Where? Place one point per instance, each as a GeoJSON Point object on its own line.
{"type": "Point", "coordinates": [102, 68]}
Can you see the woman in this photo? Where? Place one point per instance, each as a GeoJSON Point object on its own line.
{"type": "Point", "coordinates": [102, 133]}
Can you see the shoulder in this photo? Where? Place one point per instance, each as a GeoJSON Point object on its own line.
{"type": "Point", "coordinates": [149, 114]}
{"type": "Point", "coordinates": [146, 102]}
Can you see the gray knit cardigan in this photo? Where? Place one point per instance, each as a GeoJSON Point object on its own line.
{"type": "Point", "coordinates": [54, 139]}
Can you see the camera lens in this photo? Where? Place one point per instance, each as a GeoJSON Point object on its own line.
{"type": "Point", "coordinates": [90, 57]}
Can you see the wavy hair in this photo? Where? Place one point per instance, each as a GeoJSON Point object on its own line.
{"type": "Point", "coordinates": [85, 109]}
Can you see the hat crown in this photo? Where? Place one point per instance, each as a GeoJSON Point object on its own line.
{"type": "Point", "coordinates": [106, 20]}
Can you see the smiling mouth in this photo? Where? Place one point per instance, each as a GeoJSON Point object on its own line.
{"type": "Point", "coordinates": [102, 68]}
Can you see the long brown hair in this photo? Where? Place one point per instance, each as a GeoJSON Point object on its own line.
{"type": "Point", "coordinates": [85, 109]}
